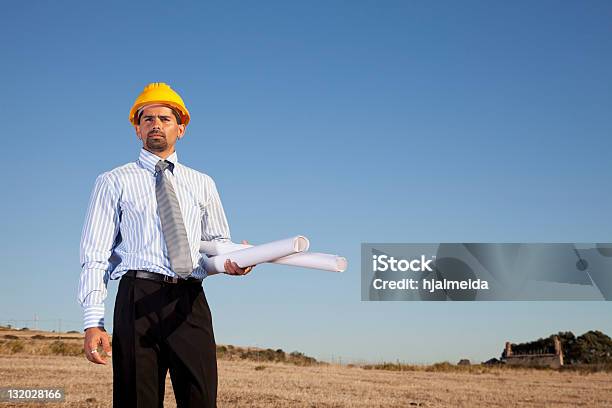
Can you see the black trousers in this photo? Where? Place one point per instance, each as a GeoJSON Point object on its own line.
{"type": "Point", "coordinates": [159, 327]}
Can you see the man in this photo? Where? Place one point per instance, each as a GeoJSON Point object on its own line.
{"type": "Point", "coordinates": [144, 226]}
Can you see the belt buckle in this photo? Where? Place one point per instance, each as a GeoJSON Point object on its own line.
{"type": "Point", "coordinates": [170, 279]}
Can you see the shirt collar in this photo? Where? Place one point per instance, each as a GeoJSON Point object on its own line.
{"type": "Point", "coordinates": [148, 160]}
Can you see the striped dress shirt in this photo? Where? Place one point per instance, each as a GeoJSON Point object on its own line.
{"type": "Point", "coordinates": [122, 230]}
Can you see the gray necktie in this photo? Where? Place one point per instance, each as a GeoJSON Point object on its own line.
{"type": "Point", "coordinates": [172, 224]}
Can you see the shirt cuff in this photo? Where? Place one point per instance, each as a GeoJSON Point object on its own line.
{"type": "Point", "coordinates": [93, 316]}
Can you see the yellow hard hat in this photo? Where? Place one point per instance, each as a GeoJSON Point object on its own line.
{"type": "Point", "coordinates": [158, 92]}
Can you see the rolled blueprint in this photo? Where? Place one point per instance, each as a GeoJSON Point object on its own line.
{"type": "Point", "coordinates": [313, 260]}
{"type": "Point", "coordinates": [254, 255]}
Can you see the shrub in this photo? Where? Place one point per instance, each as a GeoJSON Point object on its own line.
{"type": "Point", "coordinates": [297, 358]}
{"type": "Point", "coordinates": [65, 349]}
{"type": "Point", "coordinates": [16, 346]}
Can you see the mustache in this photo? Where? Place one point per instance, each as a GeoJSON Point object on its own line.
{"type": "Point", "coordinates": [156, 133]}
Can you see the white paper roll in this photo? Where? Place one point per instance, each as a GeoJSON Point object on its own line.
{"type": "Point", "coordinates": [315, 260]}
{"type": "Point", "coordinates": [312, 260]}
{"type": "Point", "coordinates": [214, 248]}
{"type": "Point", "coordinates": [253, 255]}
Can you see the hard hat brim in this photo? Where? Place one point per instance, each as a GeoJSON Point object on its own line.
{"type": "Point", "coordinates": [184, 113]}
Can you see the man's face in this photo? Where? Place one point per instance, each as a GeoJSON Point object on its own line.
{"type": "Point", "coordinates": [158, 129]}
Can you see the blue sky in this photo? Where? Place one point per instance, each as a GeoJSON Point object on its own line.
{"type": "Point", "coordinates": [348, 122]}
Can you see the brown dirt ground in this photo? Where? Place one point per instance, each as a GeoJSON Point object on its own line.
{"type": "Point", "coordinates": [247, 384]}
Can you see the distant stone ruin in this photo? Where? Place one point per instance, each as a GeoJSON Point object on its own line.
{"type": "Point", "coordinates": [535, 358]}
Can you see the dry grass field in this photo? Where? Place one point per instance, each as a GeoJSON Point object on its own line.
{"type": "Point", "coordinates": [244, 383]}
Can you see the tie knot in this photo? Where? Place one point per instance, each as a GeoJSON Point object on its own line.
{"type": "Point", "coordinates": [163, 165]}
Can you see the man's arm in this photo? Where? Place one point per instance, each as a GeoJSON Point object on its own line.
{"type": "Point", "coordinates": [215, 228]}
{"type": "Point", "coordinates": [214, 222]}
{"type": "Point", "coordinates": [97, 240]}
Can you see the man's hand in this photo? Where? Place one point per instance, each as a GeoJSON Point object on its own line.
{"type": "Point", "coordinates": [94, 337]}
{"type": "Point", "coordinates": [232, 268]}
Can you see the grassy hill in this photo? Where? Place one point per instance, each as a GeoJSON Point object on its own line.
{"type": "Point", "coordinates": [38, 342]}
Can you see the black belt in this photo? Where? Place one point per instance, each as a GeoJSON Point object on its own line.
{"type": "Point", "coordinates": [159, 277]}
